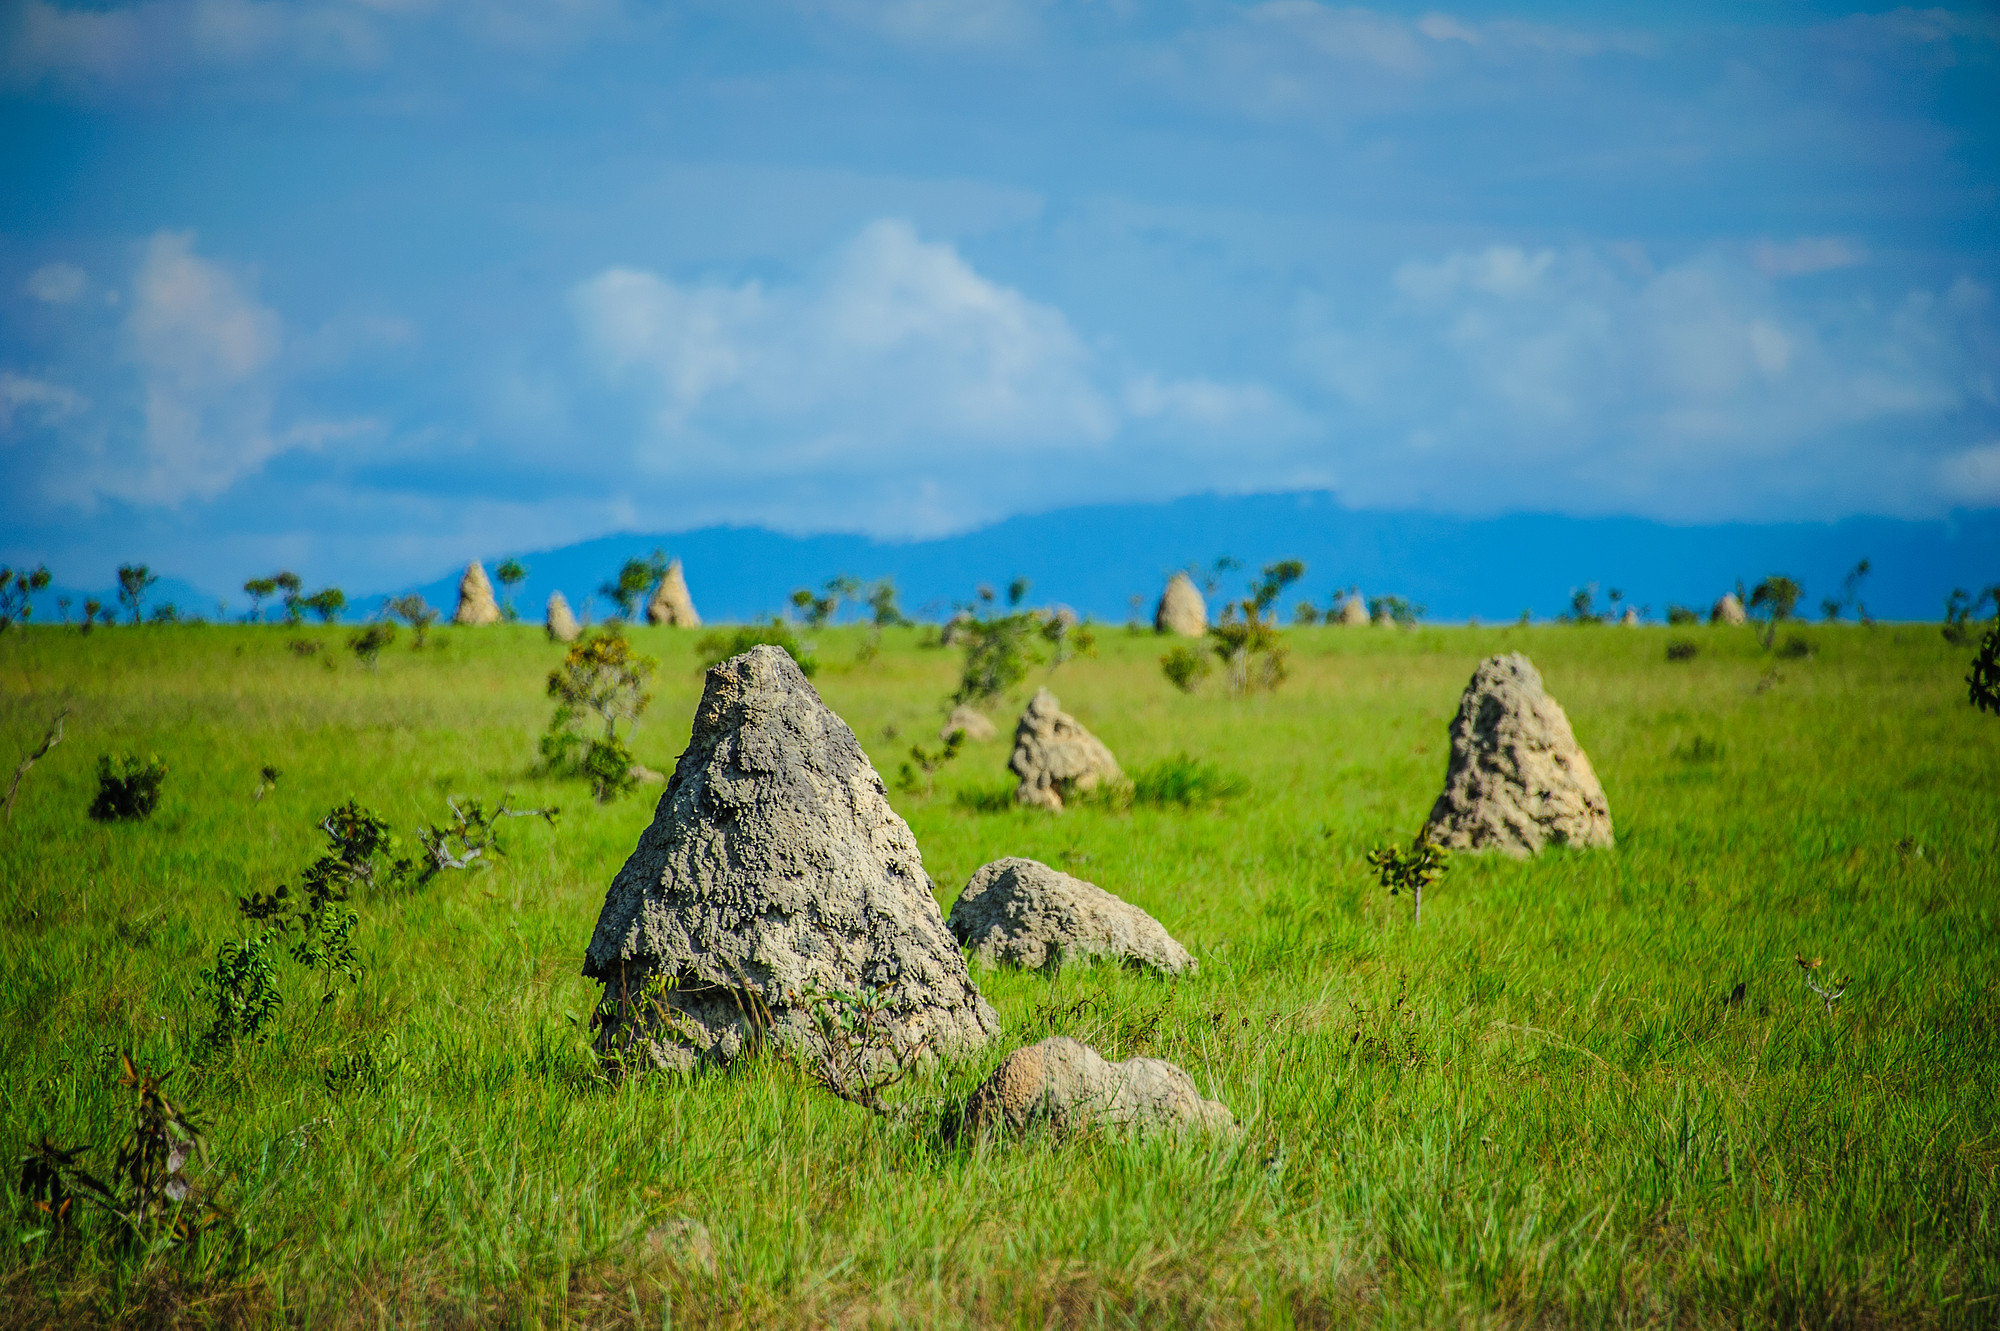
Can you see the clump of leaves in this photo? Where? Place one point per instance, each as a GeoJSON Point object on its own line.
{"type": "Point", "coordinates": [1186, 781]}
{"type": "Point", "coordinates": [149, 1194]}
{"type": "Point", "coordinates": [1067, 638]}
{"type": "Point", "coordinates": [267, 780]}
{"type": "Point", "coordinates": [1185, 668]}
{"type": "Point", "coordinates": [1700, 749]}
{"type": "Point", "coordinates": [725, 643]}
{"type": "Point", "coordinates": [601, 677]}
{"type": "Point", "coordinates": [1682, 649]}
{"type": "Point", "coordinates": [816, 610]}
{"type": "Point", "coordinates": [1983, 683]}
{"type": "Point", "coordinates": [918, 776]}
{"type": "Point", "coordinates": [327, 603]}
{"type": "Point", "coordinates": [128, 787]}
{"type": "Point", "coordinates": [1681, 615]}
{"type": "Point", "coordinates": [303, 647]}
{"type": "Point", "coordinates": [1583, 606]}
{"type": "Point", "coordinates": [1795, 648]}
{"type": "Point", "coordinates": [367, 644]}
{"type": "Point", "coordinates": [1410, 869]}
{"type": "Point", "coordinates": [17, 590]}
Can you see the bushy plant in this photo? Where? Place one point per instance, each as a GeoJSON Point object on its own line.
{"type": "Point", "coordinates": [367, 644]}
{"type": "Point", "coordinates": [1583, 606]}
{"type": "Point", "coordinates": [149, 1194]}
{"type": "Point", "coordinates": [1680, 616]}
{"type": "Point", "coordinates": [1682, 649]}
{"type": "Point", "coordinates": [882, 607]}
{"type": "Point", "coordinates": [1961, 608]}
{"type": "Point", "coordinates": [601, 677]}
{"type": "Point", "coordinates": [817, 610]}
{"type": "Point", "coordinates": [1246, 638]}
{"type": "Point", "coordinates": [128, 787]}
{"type": "Point", "coordinates": [1400, 611]}
{"type": "Point", "coordinates": [1773, 601]}
{"type": "Point", "coordinates": [1185, 668]}
{"type": "Point", "coordinates": [327, 603]}
{"type": "Point", "coordinates": [722, 644]}
{"type": "Point", "coordinates": [17, 590]}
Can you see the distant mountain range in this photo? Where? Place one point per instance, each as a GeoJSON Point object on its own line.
{"type": "Point", "coordinates": [1098, 559]}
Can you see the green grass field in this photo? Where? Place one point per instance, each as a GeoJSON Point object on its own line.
{"type": "Point", "coordinates": [1536, 1109]}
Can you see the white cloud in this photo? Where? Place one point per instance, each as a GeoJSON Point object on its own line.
{"type": "Point", "coordinates": [57, 283]}
{"type": "Point", "coordinates": [48, 402]}
{"type": "Point", "coordinates": [1807, 254]}
{"type": "Point", "coordinates": [960, 24]}
{"type": "Point", "coordinates": [897, 371]}
{"type": "Point", "coordinates": [1694, 391]}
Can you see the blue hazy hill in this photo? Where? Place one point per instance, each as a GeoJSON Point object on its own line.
{"type": "Point", "coordinates": [1097, 558]}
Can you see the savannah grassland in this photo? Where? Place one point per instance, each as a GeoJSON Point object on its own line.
{"type": "Point", "coordinates": [1538, 1108]}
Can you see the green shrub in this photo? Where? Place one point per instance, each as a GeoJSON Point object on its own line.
{"type": "Point", "coordinates": [1983, 684]}
{"type": "Point", "coordinates": [1682, 649]}
{"type": "Point", "coordinates": [1186, 781]}
{"type": "Point", "coordinates": [1185, 668]}
{"type": "Point", "coordinates": [602, 676]}
{"type": "Point", "coordinates": [128, 788]}
{"type": "Point", "coordinates": [367, 644]}
{"type": "Point", "coordinates": [1680, 615]}
{"type": "Point", "coordinates": [1419, 866]}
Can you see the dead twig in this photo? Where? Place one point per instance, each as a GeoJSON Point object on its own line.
{"type": "Point", "coordinates": [50, 739]}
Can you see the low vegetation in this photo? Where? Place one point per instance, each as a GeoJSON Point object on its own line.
{"type": "Point", "coordinates": [1605, 1088]}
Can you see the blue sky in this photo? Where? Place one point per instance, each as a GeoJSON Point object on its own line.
{"type": "Point", "coordinates": [363, 287]}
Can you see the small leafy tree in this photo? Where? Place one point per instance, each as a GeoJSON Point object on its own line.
{"type": "Point", "coordinates": [17, 590]}
{"type": "Point", "coordinates": [128, 787]}
{"type": "Point", "coordinates": [601, 676]}
{"type": "Point", "coordinates": [635, 578]}
{"type": "Point", "coordinates": [418, 613]}
{"type": "Point", "coordinates": [93, 613]}
{"type": "Point", "coordinates": [367, 644]}
{"type": "Point", "coordinates": [508, 574]}
{"type": "Point", "coordinates": [1397, 610]}
{"type": "Point", "coordinates": [1773, 600]}
{"type": "Point", "coordinates": [1066, 637]}
{"type": "Point", "coordinates": [290, 586]}
{"type": "Point", "coordinates": [259, 590]}
{"type": "Point", "coordinates": [1680, 615]}
{"type": "Point", "coordinates": [134, 580]}
{"type": "Point", "coordinates": [1849, 598]}
{"type": "Point", "coordinates": [1411, 870]}
{"type": "Point", "coordinates": [882, 605]}
{"type": "Point", "coordinates": [1305, 614]}
{"type": "Point", "coordinates": [327, 603]}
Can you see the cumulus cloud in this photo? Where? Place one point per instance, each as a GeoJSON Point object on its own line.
{"type": "Point", "coordinates": [57, 283]}
{"type": "Point", "coordinates": [1696, 390]}
{"type": "Point", "coordinates": [896, 359]}
{"type": "Point", "coordinates": [23, 398]}
{"type": "Point", "coordinates": [1807, 254]}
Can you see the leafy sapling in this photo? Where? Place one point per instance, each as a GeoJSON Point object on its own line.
{"type": "Point", "coordinates": [327, 603]}
{"type": "Point", "coordinates": [1773, 600]}
{"type": "Point", "coordinates": [918, 776]}
{"type": "Point", "coordinates": [1413, 869]}
{"type": "Point", "coordinates": [634, 579]}
{"type": "Point", "coordinates": [508, 574]}
{"type": "Point", "coordinates": [600, 677]}
{"type": "Point", "coordinates": [999, 648]}
{"type": "Point", "coordinates": [1185, 668]}
{"type": "Point", "coordinates": [134, 580]}
{"type": "Point", "coordinates": [1983, 682]}
{"type": "Point", "coordinates": [267, 781]}
{"type": "Point", "coordinates": [418, 613]}
{"type": "Point", "coordinates": [857, 1050]}
{"type": "Point", "coordinates": [1850, 597]}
